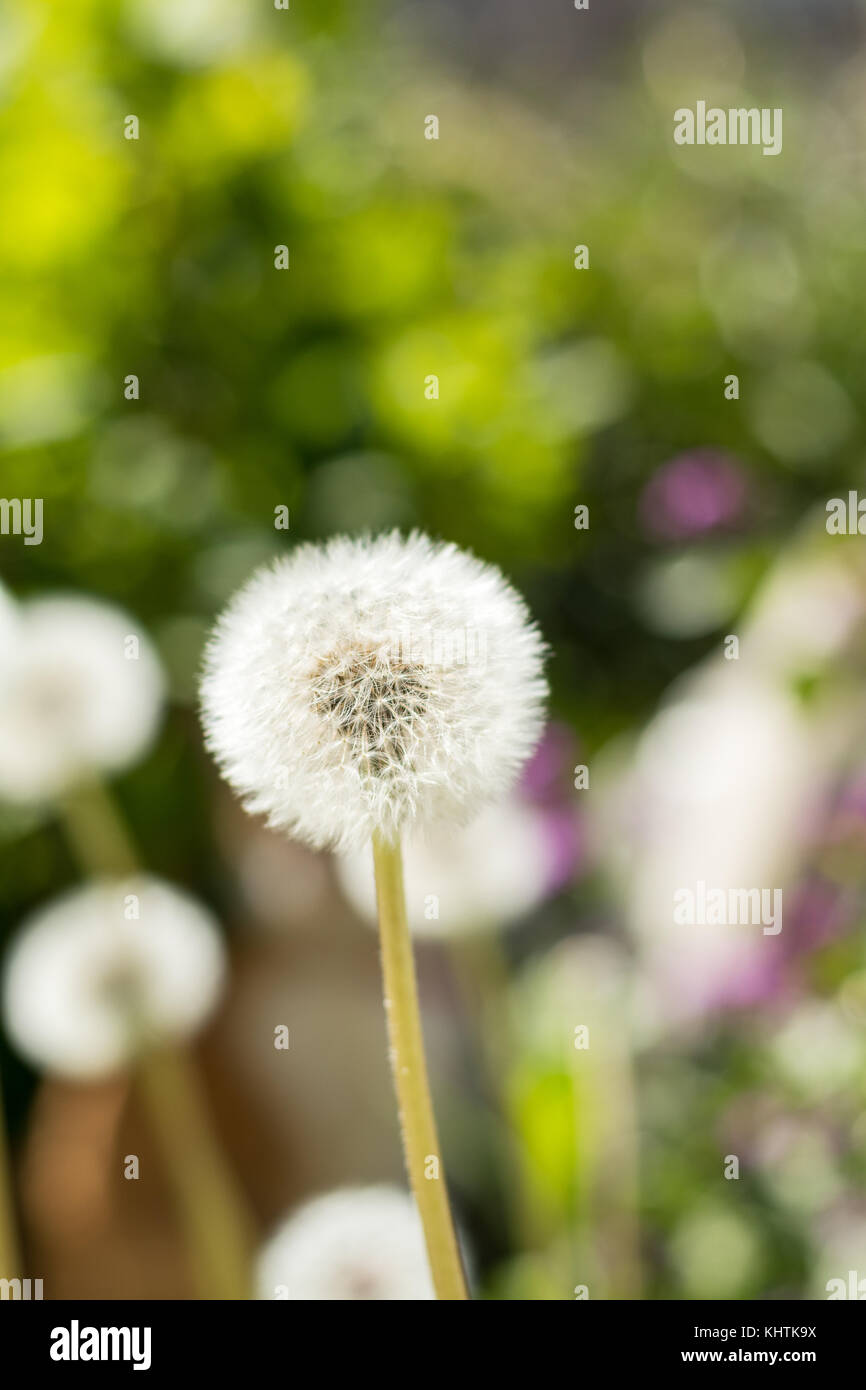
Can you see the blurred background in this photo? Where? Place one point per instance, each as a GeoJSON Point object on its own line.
{"type": "Point", "coordinates": [304, 389]}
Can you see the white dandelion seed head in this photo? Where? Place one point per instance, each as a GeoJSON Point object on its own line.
{"type": "Point", "coordinates": [73, 700]}
{"type": "Point", "coordinates": [368, 685]}
{"type": "Point", "coordinates": [86, 984]}
{"type": "Point", "coordinates": [482, 876]}
{"type": "Point", "coordinates": [362, 1243]}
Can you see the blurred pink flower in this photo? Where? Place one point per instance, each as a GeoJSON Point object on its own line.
{"type": "Point", "coordinates": [547, 784]}
{"type": "Point", "coordinates": [696, 492]}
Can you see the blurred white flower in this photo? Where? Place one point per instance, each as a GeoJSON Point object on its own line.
{"type": "Point", "coordinates": [839, 1261]}
{"type": "Point", "coordinates": [719, 790]}
{"type": "Point", "coordinates": [461, 880]}
{"type": "Point", "coordinates": [818, 1050]}
{"type": "Point", "coordinates": [717, 1252]}
{"type": "Point", "coordinates": [191, 33]}
{"type": "Point", "coordinates": [8, 620]}
{"type": "Point", "coordinates": [723, 778]}
{"type": "Point", "coordinates": [798, 1163]}
{"type": "Point", "coordinates": [368, 685]}
{"type": "Point", "coordinates": [356, 1243]}
{"type": "Point", "coordinates": [80, 691]}
{"type": "Point", "coordinates": [729, 780]}
{"type": "Point", "coordinates": [807, 612]}
{"type": "Point", "coordinates": [583, 979]}
{"type": "Point", "coordinates": [108, 968]}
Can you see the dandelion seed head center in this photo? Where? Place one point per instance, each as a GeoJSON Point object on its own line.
{"type": "Point", "coordinates": [361, 1283]}
{"type": "Point", "coordinates": [374, 702]}
{"type": "Point", "coordinates": [56, 697]}
{"type": "Point", "coordinates": [120, 979]}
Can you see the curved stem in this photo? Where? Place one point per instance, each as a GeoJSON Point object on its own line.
{"type": "Point", "coordinates": [96, 833]}
{"type": "Point", "coordinates": [217, 1232]}
{"type": "Point", "coordinates": [409, 1069]}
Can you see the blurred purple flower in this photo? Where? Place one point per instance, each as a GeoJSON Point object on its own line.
{"type": "Point", "coordinates": [548, 785]}
{"type": "Point", "coordinates": [563, 830]}
{"type": "Point", "coordinates": [820, 911]}
{"type": "Point", "coordinates": [549, 771]}
{"type": "Point", "coordinates": [700, 491]}
{"type": "Point", "coordinates": [766, 969]}
{"type": "Point", "coordinates": [726, 977]}
{"type": "Point", "coordinates": [846, 819]}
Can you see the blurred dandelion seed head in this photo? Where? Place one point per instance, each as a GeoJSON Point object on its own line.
{"type": "Point", "coordinates": [483, 876]}
{"type": "Point", "coordinates": [76, 696]}
{"type": "Point", "coordinates": [106, 969]}
{"type": "Point", "coordinates": [363, 1243]}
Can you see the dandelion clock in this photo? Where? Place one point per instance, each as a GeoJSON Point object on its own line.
{"type": "Point", "coordinates": [108, 969]}
{"type": "Point", "coordinates": [81, 693]}
{"type": "Point", "coordinates": [358, 1243]}
{"type": "Point", "coordinates": [358, 691]}
{"type": "Point", "coordinates": [120, 974]}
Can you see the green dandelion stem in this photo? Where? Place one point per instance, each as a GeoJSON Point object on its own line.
{"type": "Point", "coordinates": [409, 1068]}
